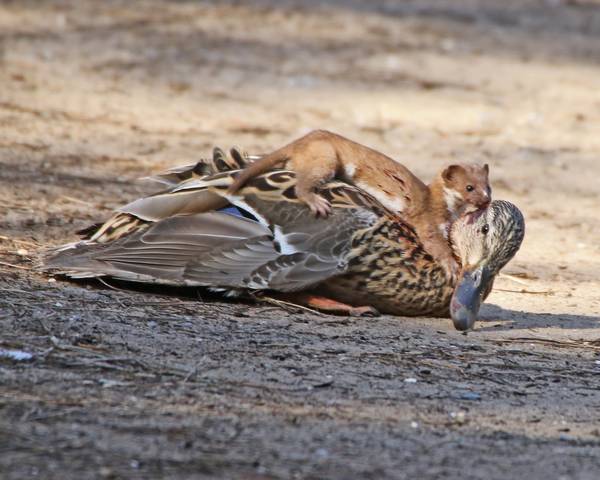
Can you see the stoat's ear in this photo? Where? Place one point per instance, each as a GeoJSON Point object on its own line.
{"type": "Point", "coordinates": [486, 167]}
{"type": "Point", "coordinates": [449, 173]}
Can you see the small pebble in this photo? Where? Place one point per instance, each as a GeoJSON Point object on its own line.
{"type": "Point", "coordinates": [458, 417]}
{"type": "Point", "coordinates": [322, 453]}
{"type": "Point", "coordinates": [16, 355]}
{"type": "Point", "coordinates": [470, 396]}
{"type": "Point", "coordinates": [410, 380]}
{"type": "Point", "coordinates": [105, 472]}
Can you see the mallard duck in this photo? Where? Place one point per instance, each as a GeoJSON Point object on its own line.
{"type": "Point", "coordinates": [196, 234]}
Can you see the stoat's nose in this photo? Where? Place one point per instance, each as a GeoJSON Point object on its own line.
{"type": "Point", "coordinates": [486, 198]}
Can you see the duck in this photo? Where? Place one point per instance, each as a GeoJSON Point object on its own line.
{"type": "Point", "coordinates": [361, 259]}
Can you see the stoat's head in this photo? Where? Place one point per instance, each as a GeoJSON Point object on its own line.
{"type": "Point", "coordinates": [466, 187]}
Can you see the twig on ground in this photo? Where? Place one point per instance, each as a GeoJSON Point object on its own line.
{"type": "Point", "coordinates": [194, 370]}
{"type": "Point", "coordinates": [531, 292]}
{"type": "Point", "coordinates": [23, 242]}
{"type": "Point", "coordinates": [77, 200]}
{"type": "Point", "coordinates": [20, 267]}
{"type": "Point", "coordinates": [287, 305]}
{"type": "Point", "coordinates": [592, 344]}
{"type": "Point", "coordinates": [514, 278]}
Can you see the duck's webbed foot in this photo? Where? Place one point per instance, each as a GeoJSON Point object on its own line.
{"type": "Point", "coordinates": [327, 305]}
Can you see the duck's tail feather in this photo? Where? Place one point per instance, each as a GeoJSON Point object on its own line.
{"type": "Point", "coordinates": [220, 162]}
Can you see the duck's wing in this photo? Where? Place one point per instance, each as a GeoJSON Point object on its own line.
{"type": "Point", "coordinates": [212, 249]}
{"type": "Point", "coordinates": [176, 237]}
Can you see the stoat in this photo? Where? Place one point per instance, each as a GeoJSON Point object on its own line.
{"type": "Point", "coordinates": [321, 155]}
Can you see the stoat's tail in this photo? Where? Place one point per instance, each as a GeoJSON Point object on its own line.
{"type": "Point", "coordinates": [263, 165]}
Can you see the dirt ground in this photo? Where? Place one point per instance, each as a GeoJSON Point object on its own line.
{"type": "Point", "coordinates": [130, 383]}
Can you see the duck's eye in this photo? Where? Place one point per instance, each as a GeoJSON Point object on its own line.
{"type": "Point", "coordinates": [470, 188]}
{"type": "Point", "coordinates": [485, 229]}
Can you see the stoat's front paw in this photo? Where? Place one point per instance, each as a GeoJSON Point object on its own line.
{"type": "Point", "coordinates": [451, 267]}
{"type": "Point", "coordinates": [318, 205]}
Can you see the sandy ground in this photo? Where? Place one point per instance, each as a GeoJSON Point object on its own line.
{"type": "Point", "coordinates": [150, 384]}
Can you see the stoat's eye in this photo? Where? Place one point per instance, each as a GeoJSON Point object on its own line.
{"type": "Point", "coordinates": [470, 188]}
{"type": "Point", "coordinates": [485, 229]}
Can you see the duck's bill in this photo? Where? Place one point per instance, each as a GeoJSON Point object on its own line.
{"type": "Point", "coordinates": [468, 295]}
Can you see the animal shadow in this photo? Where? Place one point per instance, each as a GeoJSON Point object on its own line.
{"type": "Point", "coordinates": [525, 320]}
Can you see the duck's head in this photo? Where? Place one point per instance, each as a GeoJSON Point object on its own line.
{"type": "Point", "coordinates": [485, 240]}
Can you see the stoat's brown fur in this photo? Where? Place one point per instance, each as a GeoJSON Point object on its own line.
{"type": "Point", "coordinates": [322, 155]}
